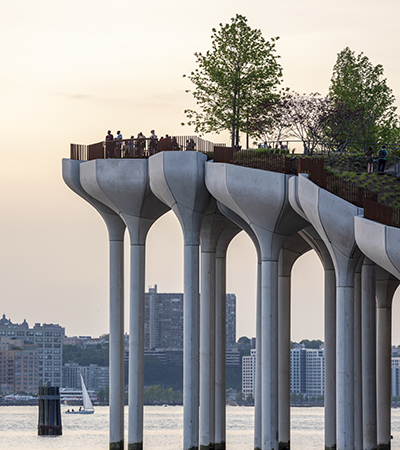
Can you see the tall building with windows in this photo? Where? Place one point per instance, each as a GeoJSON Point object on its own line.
{"type": "Point", "coordinates": [230, 320]}
{"type": "Point", "coordinates": [164, 320]}
{"type": "Point", "coordinates": [248, 374]}
{"type": "Point", "coordinates": [306, 372]}
{"type": "Point", "coordinates": [47, 339]}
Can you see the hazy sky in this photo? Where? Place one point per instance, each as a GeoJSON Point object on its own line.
{"type": "Point", "coordinates": [71, 70]}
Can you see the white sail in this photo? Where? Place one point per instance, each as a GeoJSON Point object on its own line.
{"type": "Point", "coordinates": [87, 403]}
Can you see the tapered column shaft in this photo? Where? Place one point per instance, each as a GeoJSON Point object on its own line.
{"type": "Point", "coordinates": [345, 367]}
{"type": "Point", "coordinates": [384, 356]}
{"type": "Point", "coordinates": [269, 355]}
{"type": "Point", "coordinates": [368, 308]}
{"type": "Point", "coordinates": [330, 359]}
{"type": "Point", "coordinates": [191, 348]}
{"type": "Point", "coordinates": [258, 384]}
{"type": "Point", "coordinates": [358, 395]}
{"type": "Point", "coordinates": [116, 345]}
{"type": "Point", "coordinates": [207, 344]}
{"type": "Point", "coordinates": [284, 361]}
{"type": "Point", "coordinates": [136, 348]}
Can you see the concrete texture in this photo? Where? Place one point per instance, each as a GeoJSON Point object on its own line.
{"type": "Point", "coordinates": [123, 185]}
{"type": "Point", "coordinates": [380, 243]}
{"type": "Point", "coordinates": [116, 229]}
{"type": "Point", "coordinates": [260, 199]}
{"type": "Point", "coordinates": [177, 179]}
{"type": "Point", "coordinates": [276, 211]}
{"type": "Point", "coordinates": [323, 210]}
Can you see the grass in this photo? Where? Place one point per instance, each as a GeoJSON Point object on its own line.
{"type": "Point", "coordinates": [386, 186]}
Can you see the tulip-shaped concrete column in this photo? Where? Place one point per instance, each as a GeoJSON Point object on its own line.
{"type": "Point", "coordinates": [293, 248]}
{"type": "Point", "coordinates": [212, 230]}
{"type": "Point", "coordinates": [260, 198]}
{"type": "Point", "coordinates": [123, 185]}
{"type": "Point", "coordinates": [311, 236]}
{"type": "Point", "coordinates": [386, 285]}
{"type": "Point", "coordinates": [368, 339]}
{"type": "Point", "coordinates": [220, 333]}
{"type": "Point", "coordinates": [378, 243]}
{"type": "Point", "coordinates": [257, 389]}
{"type": "Point", "coordinates": [116, 229]}
{"type": "Point", "coordinates": [177, 179]}
{"type": "Point", "coordinates": [333, 219]}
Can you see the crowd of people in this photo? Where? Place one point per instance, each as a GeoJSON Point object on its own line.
{"type": "Point", "coordinates": [141, 145]}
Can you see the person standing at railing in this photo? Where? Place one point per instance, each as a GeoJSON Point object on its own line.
{"type": "Point", "coordinates": [191, 144]}
{"type": "Point", "coordinates": [382, 159]}
{"type": "Point", "coordinates": [109, 145]}
{"type": "Point", "coordinates": [141, 143]}
{"type": "Point", "coordinates": [118, 145]}
{"type": "Point", "coordinates": [174, 142]}
{"type": "Point", "coordinates": [153, 142]}
{"type": "Point", "coordinates": [370, 159]}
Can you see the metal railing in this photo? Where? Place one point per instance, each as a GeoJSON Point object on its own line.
{"type": "Point", "coordinates": [346, 190]}
{"type": "Point", "coordinates": [140, 147]}
{"type": "Point", "coordinates": [381, 213]}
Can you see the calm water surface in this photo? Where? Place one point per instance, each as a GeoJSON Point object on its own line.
{"type": "Point", "coordinates": [163, 429]}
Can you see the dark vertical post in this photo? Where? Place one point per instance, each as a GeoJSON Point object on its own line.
{"type": "Point", "coordinates": [49, 411]}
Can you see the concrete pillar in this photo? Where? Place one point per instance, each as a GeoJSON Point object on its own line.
{"type": "Point", "coordinates": [177, 179]}
{"type": "Point", "coordinates": [123, 185]}
{"type": "Point", "coordinates": [311, 236]}
{"type": "Point", "coordinates": [72, 172]}
{"type": "Point", "coordinates": [116, 346]}
{"type": "Point", "coordinates": [191, 347]}
{"type": "Point", "coordinates": [368, 312]}
{"type": "Point", "coordinates": [258, 384]}
{"type": "Point", "coordinates": [293, 248]}
{"type": "Point", "coordinates": [207, 356]}
{"type": "Point", "coordinates": [214, 223]}
{"type": "Point", "coordinates": [220, 335]}
{"type": "Point", "coordinates": [358, 397]}
{"type": "Point", "coordinates": [345, 367]}
{"type": "Point", "coordinates": [330, 358]}
{"type": "Point", "coordinates": [242, 224]}
{"type": "Point", "coordinates": [386, 286]}
{"type": "Point", "coordinates": [136, 349]}
{"type": "Point", "coordinates": [333, 219]}
{"type": "Point", "coordinates": [260, 199]}
{"type": "Point", "coordinates": [269, 355]}
{"type": "Point", "coordinates": [220, 349]}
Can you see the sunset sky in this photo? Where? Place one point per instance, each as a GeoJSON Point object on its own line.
{"type": "Point", "coordinates": [71, 70]}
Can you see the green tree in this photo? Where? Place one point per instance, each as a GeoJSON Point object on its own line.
{"type": "Point", "coordinates": [360, 87]}
{"type": "Point", "coordinates": [240, 72]}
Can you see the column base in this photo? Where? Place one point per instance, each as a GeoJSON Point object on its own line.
{"type": "Point", "coordinates": [136, 446]}
{"type": "Point", "coordinates": [220, 446]}
{"type": "Point", "coordinates": [284, 445]}
{"type": "Point", "coordinates": [117, 445]}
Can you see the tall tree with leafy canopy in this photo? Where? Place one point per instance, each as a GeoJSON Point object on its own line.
{"type": "Point", "coordinates": [240, 72]}
{"type": "Point", "coordinates": [360, 87]}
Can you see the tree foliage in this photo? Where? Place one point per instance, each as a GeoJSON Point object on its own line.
{"type": "Point", "coordinates": [240, 72]}
{"type": "Point", "coordinates": [86, 356]}
{"type": "Point", "coordinates": [361, 88]}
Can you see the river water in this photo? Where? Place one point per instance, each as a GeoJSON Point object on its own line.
{"type": "Point", "coordinates": [163, 429]}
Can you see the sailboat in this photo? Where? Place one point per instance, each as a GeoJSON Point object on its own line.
{"type": "Point", "coordinates": [87, 403]}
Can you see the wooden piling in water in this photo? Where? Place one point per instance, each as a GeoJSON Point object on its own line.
{"type": "Point", "coordinates": [49, 421]}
